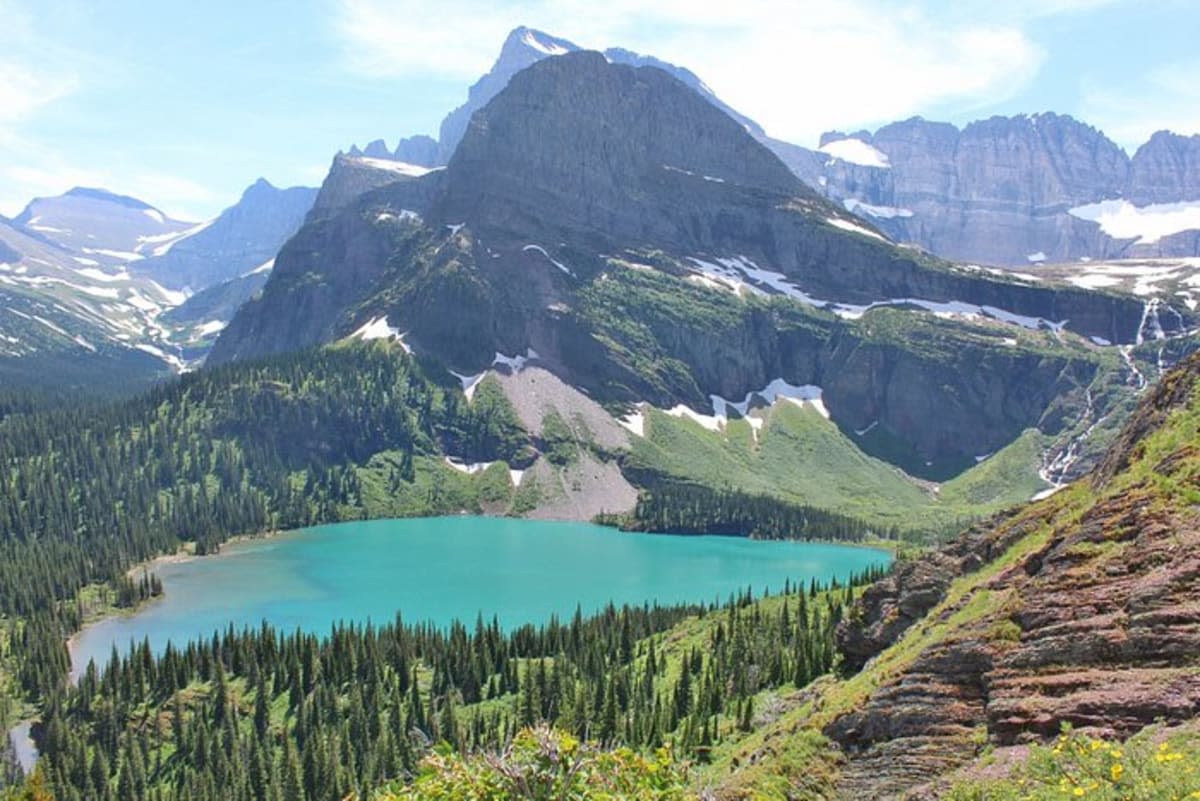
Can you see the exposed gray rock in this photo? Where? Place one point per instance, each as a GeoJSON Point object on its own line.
{"type": "Point", "coordinates": [1165, 170]}
{"type": "Point", "coordinates": [420, 149]}
{"type": "Point", "coordinates": [1000, 190]}
{"type": "Point", "coordinates": [377, 149]}
{"type": "Point", "coordinates": [349, 178]}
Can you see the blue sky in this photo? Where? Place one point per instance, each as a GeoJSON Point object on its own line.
{"type": "Point", "coordinates": [183, 104]}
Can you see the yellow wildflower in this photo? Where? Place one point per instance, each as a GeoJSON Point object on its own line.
{"type": "Point", "coordinates": [1078, 791]}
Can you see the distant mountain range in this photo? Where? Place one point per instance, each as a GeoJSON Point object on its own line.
{"type": "Point", "coordinates": [612, 225]}
{"type": "Point", "coordinates": [1019, 190]}
{"type": "Point", "coordinates": [88, 276]}
{"type": "Point", "coordinates": [1007, 191]}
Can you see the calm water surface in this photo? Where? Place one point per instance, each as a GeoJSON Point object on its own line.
{"type": "Point", "coordinates": [439, 569]}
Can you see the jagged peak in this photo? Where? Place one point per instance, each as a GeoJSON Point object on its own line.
{"type": "Point", "coordinates": [633, 126]}
{"type": "Point", "coordinates": [525, 37]}
{"type": "Point", "coordinates": [377, 148]}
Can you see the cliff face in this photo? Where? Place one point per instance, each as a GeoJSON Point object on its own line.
{"type": "Point", "coordinates": [1080, 609]}
{"type": "Point", "coordinates": [1165, 170]}
{"type": "Point", "coordinates": [1002, 190]}
{"type": "Point", "coordinates": [351, 177]}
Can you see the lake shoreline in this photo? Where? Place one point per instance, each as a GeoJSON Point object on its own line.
{"type": "Point", "coordinates": [186, 554]}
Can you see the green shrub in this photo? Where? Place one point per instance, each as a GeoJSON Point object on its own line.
{"type": "Point", "coordinates": [1075, 766]}
{"type": "Point", "coordinates": [543, 763]}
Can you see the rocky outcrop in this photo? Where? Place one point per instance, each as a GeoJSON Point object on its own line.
{"type": "Point", "coordinates": [351, 177]}
{"type": "Point", "coordinates": [1076, 610]}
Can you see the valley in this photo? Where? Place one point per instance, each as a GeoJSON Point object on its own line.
{"type": "Point", "coordinates": [602, 446]}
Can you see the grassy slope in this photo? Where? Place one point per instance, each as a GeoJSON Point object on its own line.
{"type": "Point", "coordinates": [804, 458]}
{"type": "Point", "coordinates": [783, 756]}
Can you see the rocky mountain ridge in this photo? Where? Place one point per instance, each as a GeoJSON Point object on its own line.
{"type": "Point", "coordinates": [522, 48]}
{"type": "Point", "coordinates": [1008, 191]}
{"type": "Point", "coordinates": [1078, 610]}
{"type": "Point", "coordinates": [89, 276]}
{"type": "Point", "coordinates": [647, 248]}
{"type": "Point", "coordinates": [1017, 191]}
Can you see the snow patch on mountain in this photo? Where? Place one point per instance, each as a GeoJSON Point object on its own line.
{"type": "Point", "coordinates": [211, 327]}
{"type": "Point", "coordinates": [398, 167]}
{"type": "Point", "coordinates": [542, 250]}
{"type": "Point", "coordinates": [164, 242]}
{"type": "Point", "coordinates": [853, 227]}
{"type": "Point", "coordinates": [530, 39]}
{"type": "Point", "coordinates": [740, 274]}
{"type": "Point", "coordinates": [711, 422]}
{"type": "Point", "coordinates": [265, 267]}
{"type": "Point", "coordinates": [469, 382]}
{"type": "Point", "coordinates": [777, 391]}
{"type": "Point", "coordinates": [123, 255]}
{"type": "Point", "coordinates": [856, 151]}
{"type": "Point", "coordinates": [880, 212]}
{"type": "Point", "coordinates": [634, 422]}
{"type": "Point", "coordinates": [515, 363]}
{"type": "Point", "coordinates": [170, 358]}
{"type": "Point", "coordinates": [470, 468]}
{"type": "Point", "coordinates": [1146, 225]}
{"type": "Point", "coordinates": [378, 328]}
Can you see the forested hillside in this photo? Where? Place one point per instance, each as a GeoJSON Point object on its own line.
{"type": "Point", "coordinates": [264, 715]}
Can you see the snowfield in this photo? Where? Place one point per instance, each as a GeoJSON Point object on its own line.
{"type": "Point", "coordinates": [1121, 219]}
{"type": "Point", "coordinates": [856, 151]}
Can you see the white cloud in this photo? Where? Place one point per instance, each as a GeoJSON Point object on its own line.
{"type": "Point", "coordinates": [23, 91]}
{"type": "Point", "coordinates": [797, 67]}
{"type": "Point", "coordinates": [30, 77]}
{"type": "Point", "coordinates": [1166, 97]}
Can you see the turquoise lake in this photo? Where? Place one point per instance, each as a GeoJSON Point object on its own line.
{"type": "Point", "coordinates": [440, 569]}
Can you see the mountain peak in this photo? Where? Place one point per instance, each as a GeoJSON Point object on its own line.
{"type": "Point", "coordinates": [597, 135]}
{"type": "Point", "coordinates": [106, 196]}
{"type": "Point", "coordinates": [259, 187]}
{"type": "Point", "coordinates": [525, 38]}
